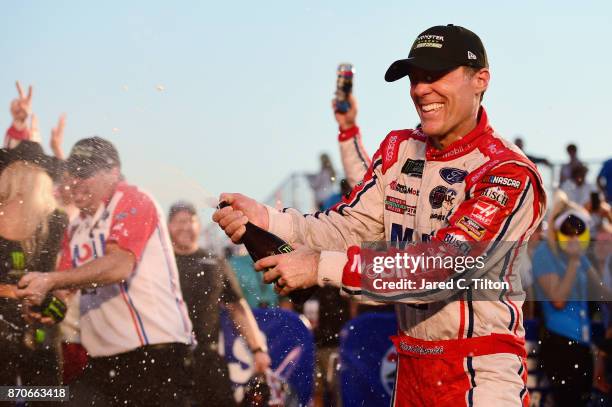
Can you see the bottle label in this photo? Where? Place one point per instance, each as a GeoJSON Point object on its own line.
{"type": "Point", "coordinates": [286, 248]}
{"type": "Point", "coordinates": [18, 259]}
{"type": "Point", "coordinates": [39, 335]}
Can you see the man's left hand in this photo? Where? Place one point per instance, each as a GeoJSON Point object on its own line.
{"type": "Point", "coordinates": [291, 271]}
{"type": "Point", "coordinates": [34, 286]}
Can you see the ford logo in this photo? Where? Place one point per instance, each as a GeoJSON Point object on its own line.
{"type": "Point", "coordinates": [453, 175]}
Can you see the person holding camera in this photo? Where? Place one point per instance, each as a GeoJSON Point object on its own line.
{"type": "Point", "coordinates": [562, 272]}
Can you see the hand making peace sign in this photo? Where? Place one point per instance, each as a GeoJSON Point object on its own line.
{"type": "Point", "coordinates": [21, 107]}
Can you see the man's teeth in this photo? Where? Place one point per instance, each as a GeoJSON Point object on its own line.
{"type": "Point", "coordinates": [431, 107]}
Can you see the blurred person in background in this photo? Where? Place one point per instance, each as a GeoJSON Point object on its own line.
{"type": "Point", "coordinates": [526, 272]}
{"type": "Point", "coordinates": [604, 180]}
{"type": "Point", "coordinates": [566, 169]}
{"type": "Point", "coordinates": [31, 227]}
{"type": "Point", "coordinates": [602, 254]}
{"type": "Point", "coordinates": [21, 111]}
{"type": "Point", "coordinates": [20, 130]}
{"type": "Point", "coordinates": [585, 194]}
{"type": "Point", "coordinates": [257, 293]}
{"type": "Point", "coordinates": [133, 321]}
{"type": "Point", "coordinates": [536, 160]}
{"type": "Point", "coordinates": [562, 270]}
{"type": "Point", "coordinates": [74, 355]}
{"type": "Point", "coordinates": [322, 183]}
{"type": "Point", "coordinates": [334, 199]}
{"type": "Point", "coordinates": [576, 187]}
{"type": "Point", "coordinates": [327, 311]}
{"type": "Point", "coordinates": [207, 282]}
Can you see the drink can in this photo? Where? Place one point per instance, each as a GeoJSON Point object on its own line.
{"type": "Point", "coordinates": [344, 86]}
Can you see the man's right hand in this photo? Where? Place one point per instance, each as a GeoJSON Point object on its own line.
{"type": "Point", "coordinates": [348, 119]}
{"type": "Point", "coordinates": [242, 209]}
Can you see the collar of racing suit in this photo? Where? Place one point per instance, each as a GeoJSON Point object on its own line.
{"type": "Point", "coordinates": [465, 144]}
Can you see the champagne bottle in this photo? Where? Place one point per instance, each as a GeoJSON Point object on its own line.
{"type": "Point", "coordinates": [51, 306]}
{"type": "Point", "coordinates": [261, 243]}
{"type": "Point", "coordinates": [17, 268]}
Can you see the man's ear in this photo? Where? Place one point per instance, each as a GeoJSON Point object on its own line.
{"type": "Point", "coordinates": [481, 80]}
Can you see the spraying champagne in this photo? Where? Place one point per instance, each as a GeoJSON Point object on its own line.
{"type": "Point", "coordinates": [261, 243]}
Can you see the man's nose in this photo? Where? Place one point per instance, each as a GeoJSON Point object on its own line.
{"type": "Point", "coordinates": [421, 88]}
{"type": "Point", "coordinates": [184, 227]}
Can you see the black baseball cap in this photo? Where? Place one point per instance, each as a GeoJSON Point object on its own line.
{"type": "Point", "coordinates": [31, 152]}
{"type": "Point", "coordinates": [441, 48]}
{"type": "Point", "coordinates": [91, 155]}
{"type": "Point", "coordinates": [181, 206]}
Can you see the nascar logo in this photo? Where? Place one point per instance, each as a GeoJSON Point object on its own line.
{"type": "Point", "coordinates": [495, 179]}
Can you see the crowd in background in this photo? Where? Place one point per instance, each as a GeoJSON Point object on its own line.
{"type": "Point", "coordinates": [78, 214]}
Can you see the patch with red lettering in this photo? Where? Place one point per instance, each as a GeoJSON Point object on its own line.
{"type": "Point", "coordinates": [484, 212]}
{"type": "Point", "coordinates": [397, 205]}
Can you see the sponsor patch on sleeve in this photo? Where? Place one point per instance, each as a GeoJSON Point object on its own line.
{"type": "Point", "coordinates": [496, 194]}
{"type": "Point", "coordinates": [484, 212]}
{"type": "Point", "coordinates": [471, 227]}
{"type": "Point", "coordinates": [505, 181]}
{"type": "Point", "coordinates": [456, 241]}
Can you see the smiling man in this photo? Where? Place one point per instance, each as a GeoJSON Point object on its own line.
{"type": "Point", "coordinates": [452, 181]}
{"type": "Point", "coordinates": [134, 323]}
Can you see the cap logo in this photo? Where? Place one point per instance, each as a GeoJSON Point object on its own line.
{"type": "Point", "coordinates": [471, 55]}
{"type": "Point", "coordinates": [431, 41]}
{"type": "Point", "coordinates": [431, 37]}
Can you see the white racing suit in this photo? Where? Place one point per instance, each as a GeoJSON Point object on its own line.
{"type": "Point", "coordinates": [453, 350]}
{"type": "Point", "coordinates": [355, 158]}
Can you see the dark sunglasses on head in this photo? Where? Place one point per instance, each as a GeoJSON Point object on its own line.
{"type": "Point", "coordinates": [573, 226]}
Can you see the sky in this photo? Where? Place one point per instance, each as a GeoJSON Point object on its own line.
{"type": "Point", "coordinates": [206, 97]}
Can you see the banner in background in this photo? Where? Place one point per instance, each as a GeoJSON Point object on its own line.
{"type": "Point", "coordinates": [368, 360]}
{"type": "Point", "coordinates": [291, 348]}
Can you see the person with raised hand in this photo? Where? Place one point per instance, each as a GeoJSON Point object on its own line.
{"type": "Point", "coordinates": [355, 159]}
{"type": "Point", "coordinates": [21, 111]}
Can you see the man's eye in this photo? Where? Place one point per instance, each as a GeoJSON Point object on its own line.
{"type": "Point", "coordinates": [422, 78]}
